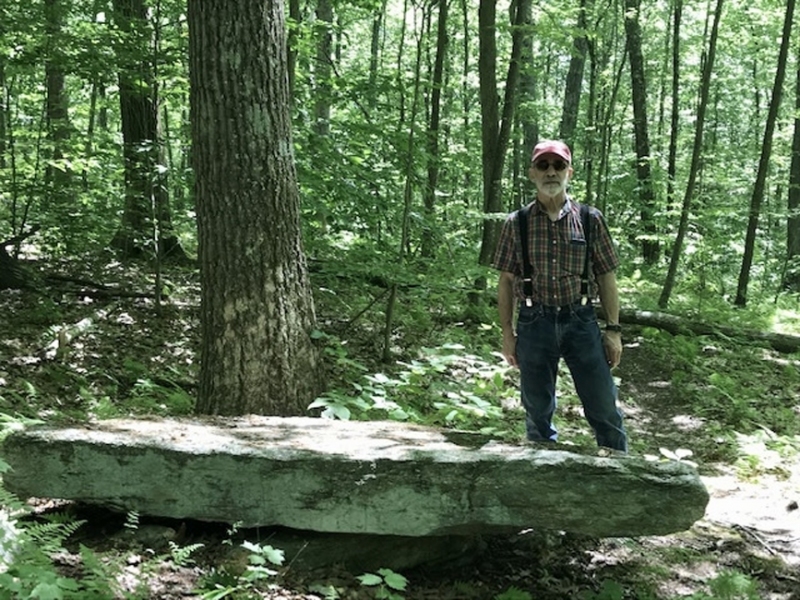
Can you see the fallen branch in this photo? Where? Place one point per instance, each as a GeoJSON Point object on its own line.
{"type": "Point", "coordinates": [68, 333]}
{"type": "Point", "coordinates": [98, 291]}
{"type": "Point", "coordinates": [782, 342]}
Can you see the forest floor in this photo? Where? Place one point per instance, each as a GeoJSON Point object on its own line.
{"type": "Point", "coordinates": [746, 546]}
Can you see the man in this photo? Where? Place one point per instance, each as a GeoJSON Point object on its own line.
{"type": "Point", "coordinates": [554, 320]}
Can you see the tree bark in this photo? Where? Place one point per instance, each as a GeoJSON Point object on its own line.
{"type": "Point", "coordinates": [257, 311]}
{"type": "Point", "coordinates": [650, 245]}
{"type": "Point", "coordinates": [759, 188]}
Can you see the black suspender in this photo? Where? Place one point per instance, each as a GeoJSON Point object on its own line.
{"type": "Point", "coordinates": [527, 279]}
{"type": "Point", "coordinates": [527, 282]}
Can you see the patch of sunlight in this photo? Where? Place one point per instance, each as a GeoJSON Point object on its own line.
{"type": "Point", "coordinates": [345, 239]}
{"type": "Point", "coordinates": [786, 321]}
{"type": "Point", "coordinates": [765, 452]}
{"type": "Point", "coordinates": [688, 422]}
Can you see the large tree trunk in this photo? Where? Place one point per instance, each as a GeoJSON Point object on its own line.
{"type": "Point", "coordinates": [759, 188]}
{"type": "Point", "coordinates": [257, 313]}
{"type": "Point", "coordinates": [694, 169]}
{"type": "Point", "coordinates": [633, 30]}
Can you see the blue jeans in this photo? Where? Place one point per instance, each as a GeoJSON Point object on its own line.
{"type": "Point", "coordinates": [544, 335]}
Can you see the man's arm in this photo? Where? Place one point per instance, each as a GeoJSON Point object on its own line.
{"type": "Point", "coordinates": [609, 297]}
{"type": "Point", "coordinates": [505, 306]}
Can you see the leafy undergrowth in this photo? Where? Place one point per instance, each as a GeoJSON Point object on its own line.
{"type": "Point", "coordinates": [731, 408]}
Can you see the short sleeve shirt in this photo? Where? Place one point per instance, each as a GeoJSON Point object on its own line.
{"type": "Point", "coordinates": [557, 250]}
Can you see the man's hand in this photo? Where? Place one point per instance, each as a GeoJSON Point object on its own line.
{"type": "Point", "coordinates": [510, 348]}
{"type": "Point", "coordinates": [612, 342]}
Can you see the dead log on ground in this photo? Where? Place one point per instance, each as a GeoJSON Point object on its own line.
{"type": "Point", "coordinates": [782, 342]}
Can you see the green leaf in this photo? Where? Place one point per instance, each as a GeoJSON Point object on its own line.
{"type": "Point", "coordinates": [393, 580]}
{"type": "Point", "coordinates": [273, 555]}
{"type": "Point", "coordinates": [370, 579]}
{"type": "Point", "coordinates": [47, 591]}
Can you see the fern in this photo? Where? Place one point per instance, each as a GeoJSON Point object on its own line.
{"type": "Point", "coordinates": [182, 555]}
{"type": "Point", "coordinates": [99, 578]}
{"type": "Point", "coordinates": [49, 537]}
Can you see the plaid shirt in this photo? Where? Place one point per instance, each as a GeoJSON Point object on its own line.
{"type": "Point", "coordinates": [557, 252]}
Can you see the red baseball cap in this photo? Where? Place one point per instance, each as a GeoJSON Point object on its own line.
{"type": "Point", "coordinates": [556, 147]}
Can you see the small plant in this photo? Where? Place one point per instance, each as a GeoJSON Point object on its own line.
{"type": "Point", "coordinates": [514, 593]}
{"type": "Point", "coordinates": [730, 585]}
{"type": "Point", "coordinates": [445, 386]}
{"type": "Point", "coordinates": [386, 582]}
{"type": "Point", "coordinates": [221, 584]}
{"type": "Point", "coordinates": [182, 555]}
{"type": "Point", "coordinates": [678, 455]}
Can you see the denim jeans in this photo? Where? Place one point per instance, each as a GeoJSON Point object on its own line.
{"type": "Point", "coordinates": [544, 335]}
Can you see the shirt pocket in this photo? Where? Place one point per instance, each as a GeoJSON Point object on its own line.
{"type": "Point", "coordinates": [573, 255]}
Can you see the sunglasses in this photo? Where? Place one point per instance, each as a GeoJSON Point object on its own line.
{"type": "Point", "coordinates": [544, 165]}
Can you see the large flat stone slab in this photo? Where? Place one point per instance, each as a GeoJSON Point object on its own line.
{"type": "Point", "coordinates": [382, 478]}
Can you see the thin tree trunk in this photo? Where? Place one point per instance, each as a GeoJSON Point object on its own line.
{"type": "Point", "coordinates": [257, 311]}
{"type": "Point", "coordinates": [466, 70]}
{"type": "Point", "coordinates": [57, 174]}
{"type": "Point", "coordinates": [526, 112]}
{"type": "Point", "coordinates": [650, 246]}
{"type": "Point", "coordinates": [374, 53]}
{"type": "Point", "coordinates": [322, 68]}
{"type": "Point", "coordinates": [496, 130]}
{"type": "Point", "coordinates": [759, 187]}
{"type": "Point", "coordinates": [291, 45]}
{"type": "Point", "coordinates": [608, 107]}
{"type": "Point", "coordinates": [3, 113]}
{"type": "Point", "coordinates": [697, 152]}
{"type": "Point", "coordinates": [140, 129]}
{"type": "Point", "coordinates": [792, 277]}
{"type": "Point", "coordinates": [672, 158]}
{"type": "Point", "coordinates": [428, 240]}
{"type": "Point", "coordinates": [408, 196]}
{"type": "Point", "coordinates": [574, 84]}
